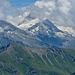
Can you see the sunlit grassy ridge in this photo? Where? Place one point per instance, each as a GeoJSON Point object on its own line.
{"type": "Point", "coordinates": [17, 60]}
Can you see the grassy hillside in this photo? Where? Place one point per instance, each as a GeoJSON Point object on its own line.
{"type": "Point", "coordinates": [17, 60]}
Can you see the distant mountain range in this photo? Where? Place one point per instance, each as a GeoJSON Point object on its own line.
{"type": "Point", "coordinates": [40, 34]}
{"type": "Point", "coordinates": [11, 34]}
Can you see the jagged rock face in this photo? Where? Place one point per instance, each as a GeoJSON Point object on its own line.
{"type": "Point", "coordinates": [11, 34]}
{"type": "Point", "coordinates": [7, 33]}
{"type": "Point", "coordinates": [42, 34]}
{"type": "Point", "coordinates": [49, 33]}
{"type": "Point", "coordinates": [46, 31]}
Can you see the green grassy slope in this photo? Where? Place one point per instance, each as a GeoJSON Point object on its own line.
{"type": "Point", "coordinates": [17, 60]}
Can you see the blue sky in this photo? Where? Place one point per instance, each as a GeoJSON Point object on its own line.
{"type": "Point", "coordinates": [21, 3]}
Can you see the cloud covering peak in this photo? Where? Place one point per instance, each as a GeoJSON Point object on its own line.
{"type": "Point", "coordinates": [63, 6]}
{"type": "Point", "coordinates": [60, 11]}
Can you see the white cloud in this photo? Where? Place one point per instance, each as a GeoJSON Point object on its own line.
{"type": "Point", "coordinates": [7, 9]}
{"type": "Point", "coordinates": [4, 4]}
{"type": "Point", "coordinates": [2, 15]}
{"type": "Point", "coordinates": [64, 6]}
{"type": "Point", "coordinates": [1, 29]}
{"type": "Point", "coordinates": [50, 4]}
{"type": "Point", "coordinates": [47, 13]}
{"type": "Point", "coordinates": [61, 11]}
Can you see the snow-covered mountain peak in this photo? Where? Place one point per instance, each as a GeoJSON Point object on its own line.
{"type": "Point", "coordinates": [45, 27]}
{"type": "Point", "coordinates": [24, 21]}
{"type": "Point", "coordinates": [50, 25]}
{"type": "Point", "coordinates": [41, 32]}
{"type": "Point", "coordinates": [11, 34]}
{"type": "Point", "coordinates": [69, 30]}
{"type": "Point", "coordinates": [28, 24]}
{"type": "Point", "coordinates": [17, 19]}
